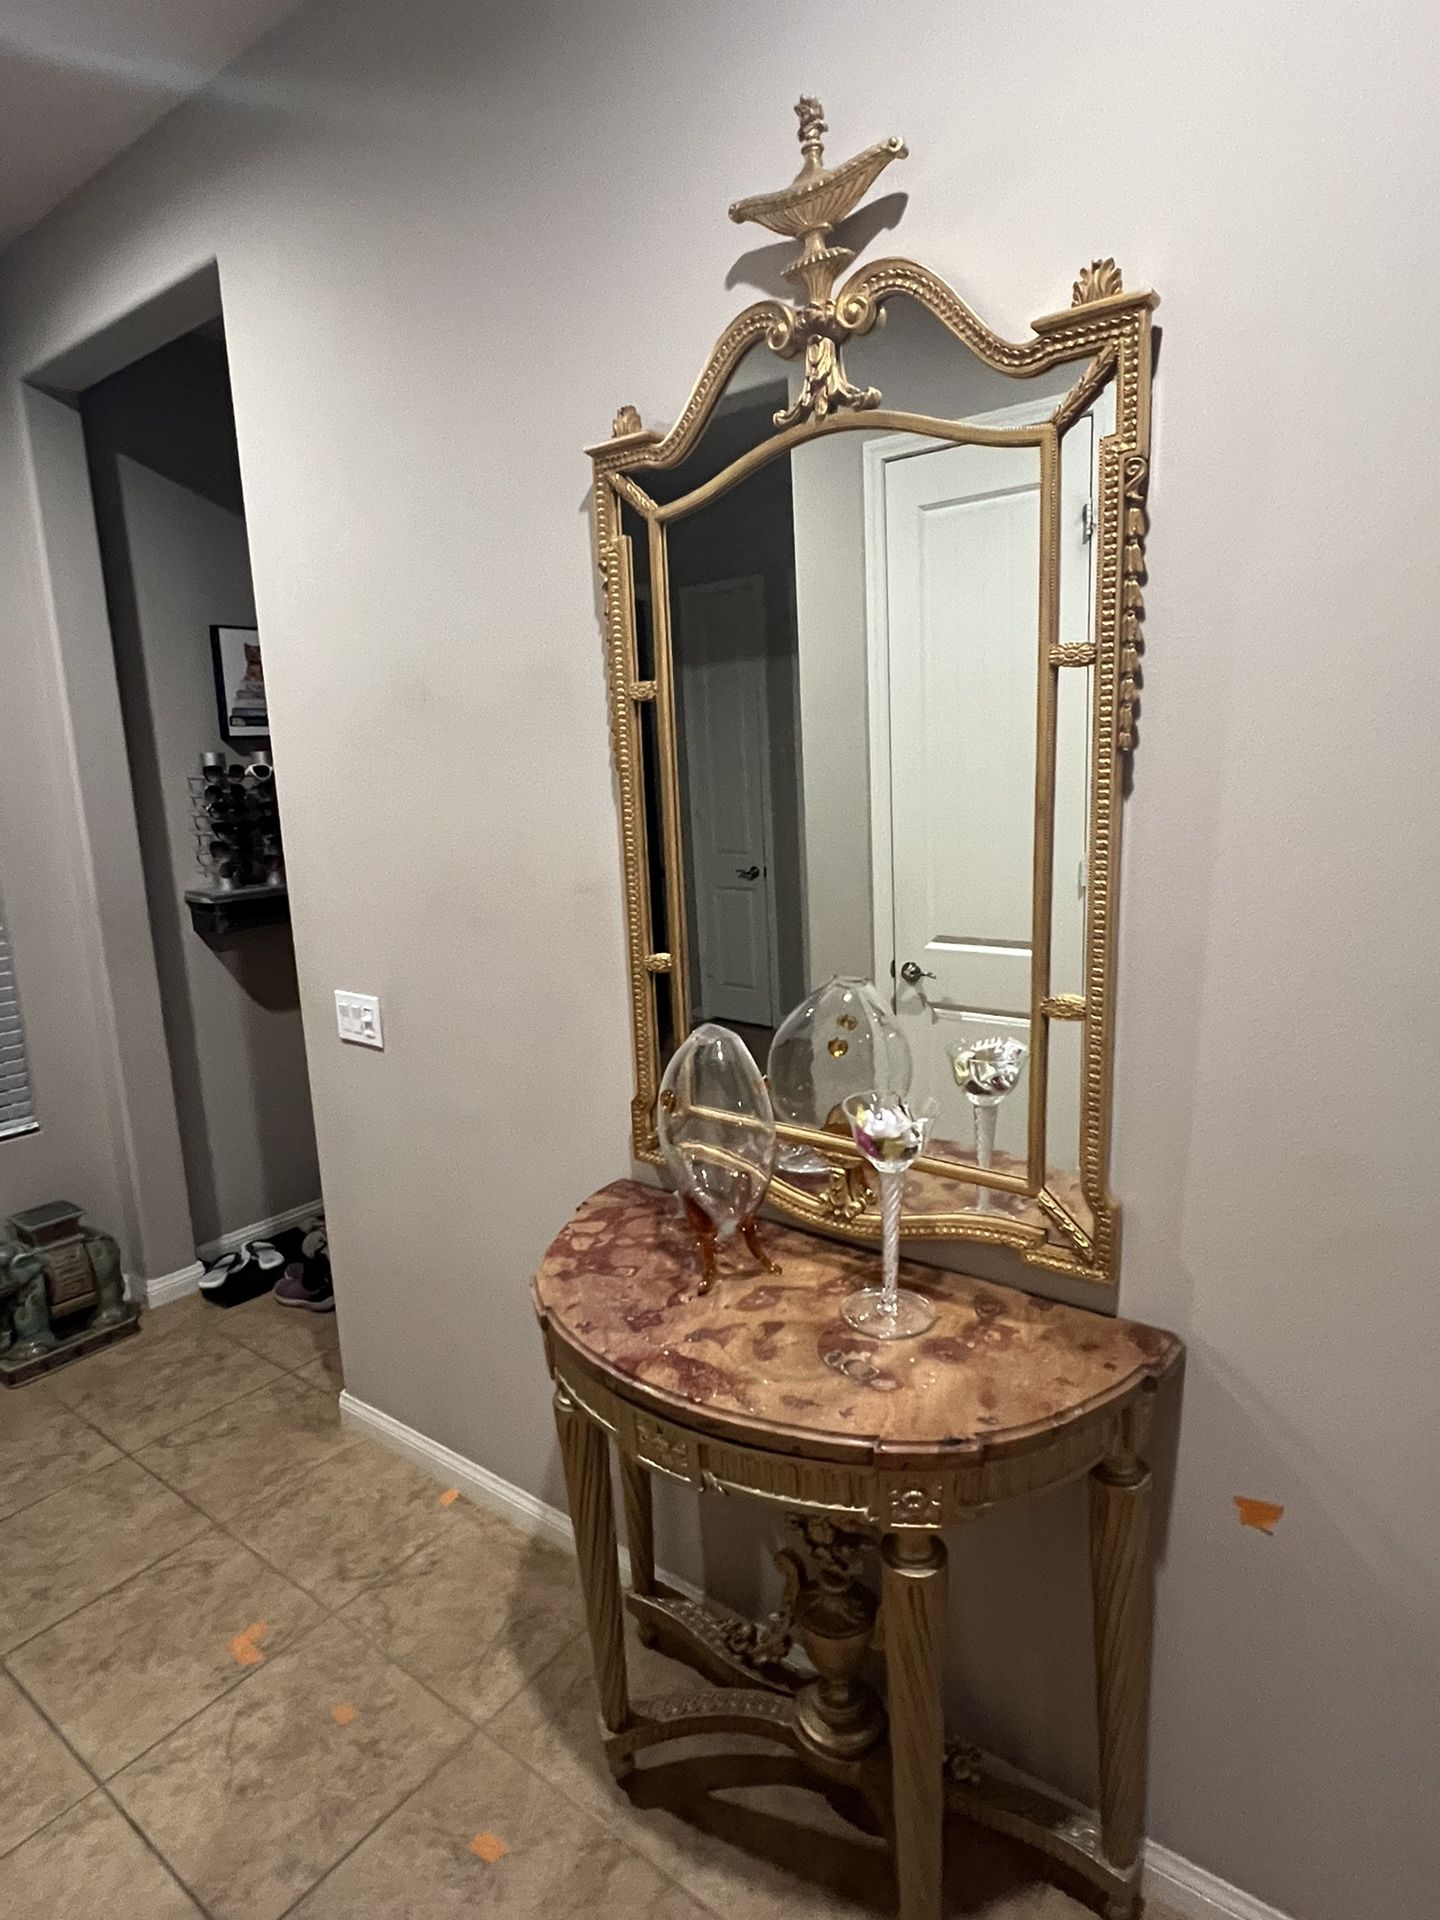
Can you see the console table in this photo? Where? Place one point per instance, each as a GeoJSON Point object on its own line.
{"type": "Point", "coordinates": [759, 1387]}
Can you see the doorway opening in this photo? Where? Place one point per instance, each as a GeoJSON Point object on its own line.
{"type": "Point", "coordinates": [737, 703]}
{"type": "Point", "coordinates": [189, 703]}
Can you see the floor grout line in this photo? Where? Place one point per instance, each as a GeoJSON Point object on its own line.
{"type": "Point", "coordinates": [471, 1735]}
{"type": "Point", "coordinates": [231, 1686]}
{"type": "Point", "coordinates": [588, 1813]}
{"type": "Point", "coordinates": [290, 1480]}
{"type": "Point", "coordinates": [237, 1340]}
{"type": "Point", "coordinates": [152, 1439]}
{"type": "Point", "coordinates": [73, 1751]}
{"type": "Point", "coordinates": [150, 1846]}
{"type": "Point", "coordinates": [327, 1614]}
{"type": "Point", "coordinates": [98, 1786]}
{"type": "Point", "coordinates": [530, 1679]}
{"type": "Point", "coordinates": [104, 1592]}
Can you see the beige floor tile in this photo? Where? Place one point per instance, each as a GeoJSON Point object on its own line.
{"type": "Point", "coordinates": [351, 1521]}
{"type": "Point", "coordinates": [63, 1552]}
{"type": "Point", "coordinates": [791, 1855]}
{"type": "Point", "coordinates": [327, 1373]}
{"type": "Point", "coordinates": [475, 1613]}
{"type": "Point", "coordinates": [185, 1315]}
{"type": "Point", "coordinates": [428, 1860]}
{"type": "Point", "coordinates": [262, 1793]}
{"type": "Point", "coordinates": [147, 1387]}
{"type": "Point", "coordinates": [250, 1450]}
{"type": "Point", "coordinates": [90, 1865]}
{"type": "Point", "coordinates": [43, 1446]}
{"type": "Point", "coordinates": [128, 1669]}
{"type": "Point", "coordinates": [734, 1821]}
{"type": "Point", "coordinates": [288, 1336]}
{"type": "Point", "coordinates": [39, 1776]}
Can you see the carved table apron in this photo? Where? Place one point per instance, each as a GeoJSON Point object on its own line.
{"type": "Point", "coordinates": [759, 1387]}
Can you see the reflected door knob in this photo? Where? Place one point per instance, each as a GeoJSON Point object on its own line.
{"type": "Point", "coordinates": [747, 873]}
{"type": "Point", "coordinates": [912, 973]}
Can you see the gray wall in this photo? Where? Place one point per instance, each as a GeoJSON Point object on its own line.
{"type": "Point", "coordinates": [174, 553]}
{"type": "Point", "coordinates": [425, 326]}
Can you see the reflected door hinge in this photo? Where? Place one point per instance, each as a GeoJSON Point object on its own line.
{"type": "Point", "coordinates": [1087, 520]}
{"type": "Point", "coordinates": [1082, 878]}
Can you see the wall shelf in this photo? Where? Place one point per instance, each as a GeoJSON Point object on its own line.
{"type": "Point", "coordinates": [219, 911]}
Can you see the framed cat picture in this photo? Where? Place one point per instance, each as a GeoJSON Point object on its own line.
{"type": "Point", "coordinates": [239, 684]}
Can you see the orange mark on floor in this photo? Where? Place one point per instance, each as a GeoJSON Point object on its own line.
{"type": "Point", "coordinates": [245, 1647]}
{"type": "Point", "coordinates": [1263, 1515]}
{"type": "Point", "coordinates": [344, 1714]}
{"type": "Point", "coordinates": [488, 1847]}
{"type": "Point", "coordinates": [449, 1496]}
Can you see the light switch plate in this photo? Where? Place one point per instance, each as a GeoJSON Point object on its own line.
{"type": "Point", "coordinates": [357, 1015]}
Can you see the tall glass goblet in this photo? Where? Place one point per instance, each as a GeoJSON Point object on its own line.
{"type": "Point", "coordinates": [985, 1073]}
{"type": "Point", "coordinates": [892, 1138]}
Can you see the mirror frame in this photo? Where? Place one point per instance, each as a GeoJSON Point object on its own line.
{"type": "Point", "coordinates": [1107, 330]}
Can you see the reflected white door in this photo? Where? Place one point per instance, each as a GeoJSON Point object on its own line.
{"type": "Point", "coordinates": [721, 659]}
{"type": "Point", "coordinates": [953, 584]}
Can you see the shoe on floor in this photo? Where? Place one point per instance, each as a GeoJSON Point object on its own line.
{"type": "Point", "coordinates": [255, 1256]}
{"type": "Point", "coordinates": [306, 1282]}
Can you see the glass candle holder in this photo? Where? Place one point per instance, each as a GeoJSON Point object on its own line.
{"type": "Point", "coordinates": [892, 1138]}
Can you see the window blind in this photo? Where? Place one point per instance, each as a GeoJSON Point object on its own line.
{"type": "Point", "coordinates": [17, 1099]}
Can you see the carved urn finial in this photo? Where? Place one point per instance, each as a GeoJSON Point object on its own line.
{"type": "Point", "coordinates": [817, 199]}
{"type": "Point", "coordinates": [815, 202]}
{"type": "Point", "coordinates": [812, 131]}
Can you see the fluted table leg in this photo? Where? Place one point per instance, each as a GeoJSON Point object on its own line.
{"type": "Point", "coordinates": [639, 1524]}
{"type": "Point", "coordinates": [585, 1453]}
{"type": "Point", "coordinates": [914, 1613]}
{"type": "Point", "coordinates": [1120, 1573]}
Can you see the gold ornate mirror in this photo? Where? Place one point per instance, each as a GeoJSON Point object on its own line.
{"type": "Point", "coordinates": [873, 610]}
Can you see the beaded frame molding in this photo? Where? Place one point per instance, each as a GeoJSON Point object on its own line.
{"type": "Point", "coordinates": [1107, 332]}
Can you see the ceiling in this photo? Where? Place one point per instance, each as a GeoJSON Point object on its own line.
{"type": "Point", "coordinates": [81, 79]}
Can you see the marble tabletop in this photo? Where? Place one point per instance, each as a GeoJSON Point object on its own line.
{"type": "Point", "coordinates": [620, 1286]}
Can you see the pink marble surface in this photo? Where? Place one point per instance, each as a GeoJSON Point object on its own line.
{"type": "Point", "coordinates": [619, 1285]}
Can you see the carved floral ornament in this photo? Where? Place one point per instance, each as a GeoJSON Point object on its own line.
{"type": "Point", "coordinates": [1105, 336]}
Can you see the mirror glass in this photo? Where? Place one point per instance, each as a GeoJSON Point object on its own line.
{"type": "Point", "coordinates": [855, 634]}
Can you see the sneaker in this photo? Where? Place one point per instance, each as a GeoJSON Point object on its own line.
{"type": "Point", "coordinates": [306, 1282]}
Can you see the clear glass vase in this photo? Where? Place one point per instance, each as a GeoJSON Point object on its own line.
{"type": "Point", "coordinates": [717, 1137]}
{"type": "Point", "coordinates": [891, 1138]}
{"type": "Point", "coordinates": [840, 1040]}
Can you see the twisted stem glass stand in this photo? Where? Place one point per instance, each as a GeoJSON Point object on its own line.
{"type": "Point", "coordinates": [889, 1311]}
{"type": "Point", "coordinates": [987, 1112]}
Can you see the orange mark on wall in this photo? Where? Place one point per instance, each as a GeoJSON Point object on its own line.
{"type": "Point", "coordinates": [245, 1647]}
{"type": "Point", "coordinates": [344, 1714]}
{"type": "Point", "coordinates": [488, 1847]}
{"type": "Point", "coordinates": [449, 1496]}
{"type": "Point", "coordinates": [1263, 1515]}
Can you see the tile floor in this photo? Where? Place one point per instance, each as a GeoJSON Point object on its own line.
{"type": "Point", "coordinates": [252, 1665]}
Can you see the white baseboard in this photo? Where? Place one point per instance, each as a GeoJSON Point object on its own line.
{"type": "Point", "coordinates": [167, 1286]}
{"type": "Point", "coordinates": [259, 1230]}
{"type": "Point", "coordinates": [1188, 1889]}
{"type": "Point", "coordinates": [1197, 1895]}
{"type": "Point", "coordinates": [512, 1503]}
